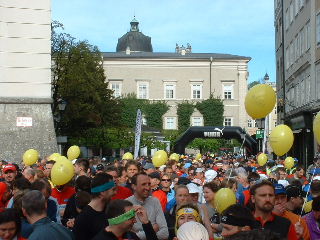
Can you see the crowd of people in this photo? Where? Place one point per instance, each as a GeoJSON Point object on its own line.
{"type": "Point", "coordinates": [133, 199]}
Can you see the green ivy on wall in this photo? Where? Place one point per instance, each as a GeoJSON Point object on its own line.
{"type": "Point", "coordinates": [184, 112]}
{"type": "Point", "coordinates": [153, 112]}
{"type": "Point", "coordinates": [212, 110]}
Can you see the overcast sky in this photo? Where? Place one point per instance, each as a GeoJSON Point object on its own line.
{"type": "Point", "coordinates": [240, 27]}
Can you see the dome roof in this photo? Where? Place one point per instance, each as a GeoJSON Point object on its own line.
{"type": "Point", "coordinates": [135, 40]}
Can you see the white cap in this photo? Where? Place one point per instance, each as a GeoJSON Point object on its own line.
{"type": "Point", "coordinates": [192, 231]}
{"type": "Point", "coordinates": [210, 175]}
{"type": "Point", "coordinates": [284, 183]}
{"type": "Point", "coordinates": [193, 188]}
{"type": "Point", "coordinates": [74, 161]}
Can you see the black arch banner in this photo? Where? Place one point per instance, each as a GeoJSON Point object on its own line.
{"type": "Point", "coordinates": [216, 132]}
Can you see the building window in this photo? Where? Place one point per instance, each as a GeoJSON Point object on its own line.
{"type": "Point", "coordinates": [170, 123]}
{"type": "Point", "coordinates": [250, 123]}
{"type": "Point", "coordinates": [169, 91]}
{"type": "Point", "coordinates": [228, 91]}
{"type": "Point", "coordinates": [227, 121]}
{"type": "Point", "coordinates": [143, 90]}
{"type": "Point", "coordinates": [318, 29]}
{"type": "Point", "coordinates": [116, 87]}
{"type": "Point", "coordinates": [196, 91]}
{"type": "Point", "coordinates": [197, 121]}
{"type": "Point", "coordinates": [255, 123]}
{"type": "Point", "coordinates": [275, 123]}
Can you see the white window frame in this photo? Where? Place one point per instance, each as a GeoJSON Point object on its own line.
{"type": "Point", "coordinates": [193, 88]}
{"type": "Point", "coordinates": [227, 118]}
{"type": "Point", "coordinates": [250, 123]}
{"type": "Point", "coordinates": [115, 94]}
{"type": "Point", "coordinates": [174, 123]}
{"type": "Point", "coordinates": [228, 88]}
{"type": "Point", "coordinates": [166, 85]}
{"type": "Point", "coordinates": [196, 121]}
{"type": "Point", "coordinates": [140, 83]}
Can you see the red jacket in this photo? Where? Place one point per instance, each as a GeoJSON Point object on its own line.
{"type": "Point", "coordinates": [162, 196]}
{"type": "Point", "coordinates": [63, 195]}
{"type": "Point", "coordinates": [122, 193]}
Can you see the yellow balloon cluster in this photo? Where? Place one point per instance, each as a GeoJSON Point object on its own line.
{"type": "Point", "coordinates": [174, 156]}
{"type": "Point", "coordinates": [316, 127]}
{"type": "Point", "coordinates": [30, 157]}
{"type": "Point", "coordinates": [127, 156]}
{"type": "Point", "coordinates": [260, 101]}
{"type": "Point", "coordinates": [289, 162]}
{"type": "Point", "coordinates": [262, 159]}
{"type": "Point", "coordinates": [159, 158]}
{"type": "Point", "coordinates": [62, 171]}
{"type": "Point", "coordinates": [73, 152]}
{"type": "Point", "coordinates": [281, 139]}
{"type": "Point", "coordinates": [224, 198]}
{"type": "Point", "coordinates": [54, 156]}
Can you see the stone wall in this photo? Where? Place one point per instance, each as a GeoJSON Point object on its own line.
{"type": "Point", "coordinates": [15, 140]}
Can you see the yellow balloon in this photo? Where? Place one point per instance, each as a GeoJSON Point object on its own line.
{"type": "Point", "coordinates": [260, 101]}
{"type": "Point", "coordinates": [62, 172]}
{"type": "Point", "coordinates": [316, 127]}
{"type": "Point", "coordinates": [224, 198]}
{"type": "Point", "coordinates": [159, 158]}
{"type": "Point", "coordinates": [288, 162]}
{"type": "Point", "coordinates": [262, 159]}
{"type": "Point", "coordinates": [30, 157]}
{"type": "Point", "coordinates": [308, 207]}
{"type": "Point", "coordinates": [54, 156]}
{"type": "Point", "coordinates": [174, 156]}
{"type": "Point", "coordinates": [281, 139]}
{"type": "Point", "coordinates": [73, 152]}
{"type": "Point", "coordinates": [127, 156]}
{"type": "Point", "coordinates": [198, 156]}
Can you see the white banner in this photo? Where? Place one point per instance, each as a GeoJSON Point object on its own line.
{"type": "Point", "coordinates": [137, 134]}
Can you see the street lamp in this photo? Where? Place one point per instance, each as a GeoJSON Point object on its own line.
{"type": "Point", "coordinates": [61, 104]}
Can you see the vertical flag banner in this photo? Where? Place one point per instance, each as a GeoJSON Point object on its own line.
{"type": "Point", "coordinates": [137, 134]}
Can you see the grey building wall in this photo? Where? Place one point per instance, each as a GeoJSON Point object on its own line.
{"type": "Point", "coordinates": [25, 80]}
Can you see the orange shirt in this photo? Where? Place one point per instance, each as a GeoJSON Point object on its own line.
{"type": "Point", "coordinates": [294, 218]}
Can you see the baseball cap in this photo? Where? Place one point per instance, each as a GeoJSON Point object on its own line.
{"type": "Point", "coordinates": [100, 167]}
{"type": "Point", "coordinates": [187, 165]}
{"type": "Point", "coordinates": [279, 189]}
{"type": "Point", "coordinates": [148, 165]}
{"type": "Point", "coordinates": [210, 175]}
{"type": "Point", "coordinates": [155, 175]}
{"type": "Point", "coordinates": [9, 167]}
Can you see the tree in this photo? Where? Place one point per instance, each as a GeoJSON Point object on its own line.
{"type": "Point", "coordinates": [79, 79]}
{"type": "Point", "coordinates": [252, 84]}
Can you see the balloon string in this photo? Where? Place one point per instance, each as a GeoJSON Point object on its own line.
{"type": "Point", "coordinates": [306, 198]}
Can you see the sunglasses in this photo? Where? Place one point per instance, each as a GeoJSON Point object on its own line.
{"type": "Point", "coordinates": [166, 180]}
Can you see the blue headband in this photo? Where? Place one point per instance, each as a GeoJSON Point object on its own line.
{"type": "Point", "coordinates": [103, 187]}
